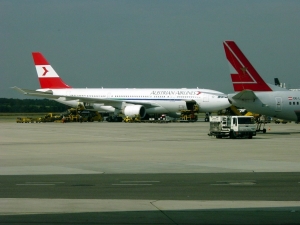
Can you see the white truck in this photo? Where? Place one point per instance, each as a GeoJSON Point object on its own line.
{"type": "Point", "coordinates": [232, 126]}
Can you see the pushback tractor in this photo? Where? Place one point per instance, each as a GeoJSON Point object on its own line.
{"type": "Point", "coordinates": [232, 126]}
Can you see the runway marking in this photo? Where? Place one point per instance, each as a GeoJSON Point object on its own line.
{"type": "Point", "coordinates": [241, 183]}
{"type": "Point", "coordinates": [44, 182]}
{"type": "Point", "coordinates": [132, 184]}
{"type": "Point", "coordinates": [34, 184]}
{"type": "Point", "coordinates": [134, 181]}
{"type": "Point", "coordinates": [40, 183]}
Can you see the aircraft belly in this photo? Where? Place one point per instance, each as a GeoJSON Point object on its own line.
{"type": "Point", "coordinates": [100, 107]}
{"type": "Point", "coordinates": [213, 105]}
{"type": "Point", "coordinates": [167, 107]}
{"type": "Point", "coordinates": [156, 110]}
{"type": "Point", "coordinates": [73, 103]}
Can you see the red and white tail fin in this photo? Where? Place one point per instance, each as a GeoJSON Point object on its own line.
{"type": "Point", "coordinates": [243, 74]}
{"type": "Point", "coordinates": [48, 78]}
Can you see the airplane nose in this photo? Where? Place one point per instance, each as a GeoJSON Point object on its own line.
{"type": "Point", "coordinates": [227, 102]}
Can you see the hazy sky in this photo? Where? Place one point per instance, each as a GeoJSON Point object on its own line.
{"type": "Point", "coordinates": [147, 44]}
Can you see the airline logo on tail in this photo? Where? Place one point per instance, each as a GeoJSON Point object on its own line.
{"type": "Point", "coordinates": [48, 78]}
{"type": "Point", "coordinates": [243, 74]}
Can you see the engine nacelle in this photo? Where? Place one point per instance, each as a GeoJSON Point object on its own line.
{"type": "Point", "coordinates": [133, 110]}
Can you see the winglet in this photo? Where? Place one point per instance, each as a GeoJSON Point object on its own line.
{"type": "Point", "coordinates": [48, 78]}
{"type": "Point", "coordinates": [243, 74]}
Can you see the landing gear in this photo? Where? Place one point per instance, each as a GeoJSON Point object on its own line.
{"type": "Point", "coordinates": [207, 114]}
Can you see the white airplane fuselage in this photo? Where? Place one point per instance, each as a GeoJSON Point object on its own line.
{"type": "Point", "coordinates": [278, 104]}
{"type": "Point", "coordinates": [169, 101]}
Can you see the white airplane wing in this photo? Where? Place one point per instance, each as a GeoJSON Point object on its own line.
{"type": "Point", "coordinates": [245, 95]}
{"type": "Point", "coordinates": [49, 94]}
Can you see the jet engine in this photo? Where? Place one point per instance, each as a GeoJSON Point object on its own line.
{"type": "Point", "coordinates": [133, 110]}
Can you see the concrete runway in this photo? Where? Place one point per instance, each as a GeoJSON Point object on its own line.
{"type": "Point", "coordinates": [117, 173]}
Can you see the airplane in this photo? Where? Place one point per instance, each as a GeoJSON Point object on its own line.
{"type": "Point", "coordinates": [254, 94]}
{"type": "Point", "coordinates": [277, 82]}
{"type": "Point", "coordinates": [123, 101]}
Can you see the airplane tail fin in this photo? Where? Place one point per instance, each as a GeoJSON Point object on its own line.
{"type": "Point", "coordinates": [243, 74]}
{"type": "Point", "coordinates": [48, 78]}
{"type": "Point", "coordinates": [277, 82]}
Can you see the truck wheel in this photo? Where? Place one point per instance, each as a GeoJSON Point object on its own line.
{"type": "Point", "coordinates": [218, 136]}
{"type": "Point", "coordinates": [250, 136]}
{"type": "Point", "coordinates": [232, 135]}
{"type": "Point", "coordinates": [264, 130]}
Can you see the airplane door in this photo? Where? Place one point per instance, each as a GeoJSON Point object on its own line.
{"type": "Point", "coordinates": [278, 102]}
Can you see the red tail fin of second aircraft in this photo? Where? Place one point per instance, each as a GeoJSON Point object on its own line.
{"type": "Point", "coordinates": [243, 74]}
{"type": "Point", "coordinates": [48, 78]}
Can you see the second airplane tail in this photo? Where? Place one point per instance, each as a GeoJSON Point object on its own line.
{"type": "Point", "coordinates": [47, 76]}
{"type": "Point", "coordinates": [243, 74]}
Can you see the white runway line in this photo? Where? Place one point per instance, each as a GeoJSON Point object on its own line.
{"type": "Point", "coordinates": [34, 184]}
{"type": "Point", "coordinates": [150, 181]}
{"type": "Point", "coordinates": [132, 184]}
{"type": "Point", "coordinates": [41, 183]}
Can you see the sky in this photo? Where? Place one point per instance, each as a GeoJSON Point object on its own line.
{"type": "Point", "coordinates": [147, 44]}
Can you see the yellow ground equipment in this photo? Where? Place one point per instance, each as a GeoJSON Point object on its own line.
{"type": "Point", "coordinates": [190, 115]}
{"type": "Point", "coordinates": [89, 116]}
{"type": "Point", "coordinates": [50, 117]}
{"type": "Point", "coordinates": [25, 120]}
{"type": "Point", "coordinates": [277, 121]}
{"type": "Point", "coordinates": [78, 114]}
{"type": "Point", "coordinates": [136, 119]}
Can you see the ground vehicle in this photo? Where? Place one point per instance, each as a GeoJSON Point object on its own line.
{"type": "Point", "coordinates": [232, 126]}
{"type": "Point", "coordinates": [90, 116]}
{"type": "Point", "coordinates": [50, 117]}
{"type": "Point", "coordinates": [24, 120]}
{"type": "Point", "coordinates": [277, 121]}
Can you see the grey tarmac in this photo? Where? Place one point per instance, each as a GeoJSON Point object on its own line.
{"type": "Point", "coordinates": [173, 173]}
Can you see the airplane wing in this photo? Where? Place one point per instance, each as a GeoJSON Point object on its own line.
{"type": "Point", "coordinates": [110, 102]}
{"type": "Point", "coordinates": [245, 95]}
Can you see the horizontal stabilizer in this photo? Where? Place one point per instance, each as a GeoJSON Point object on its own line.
{"type": "Point", "coordinates": [47, 94]}
{"type": "Point", "coordinates": [245, 95]}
